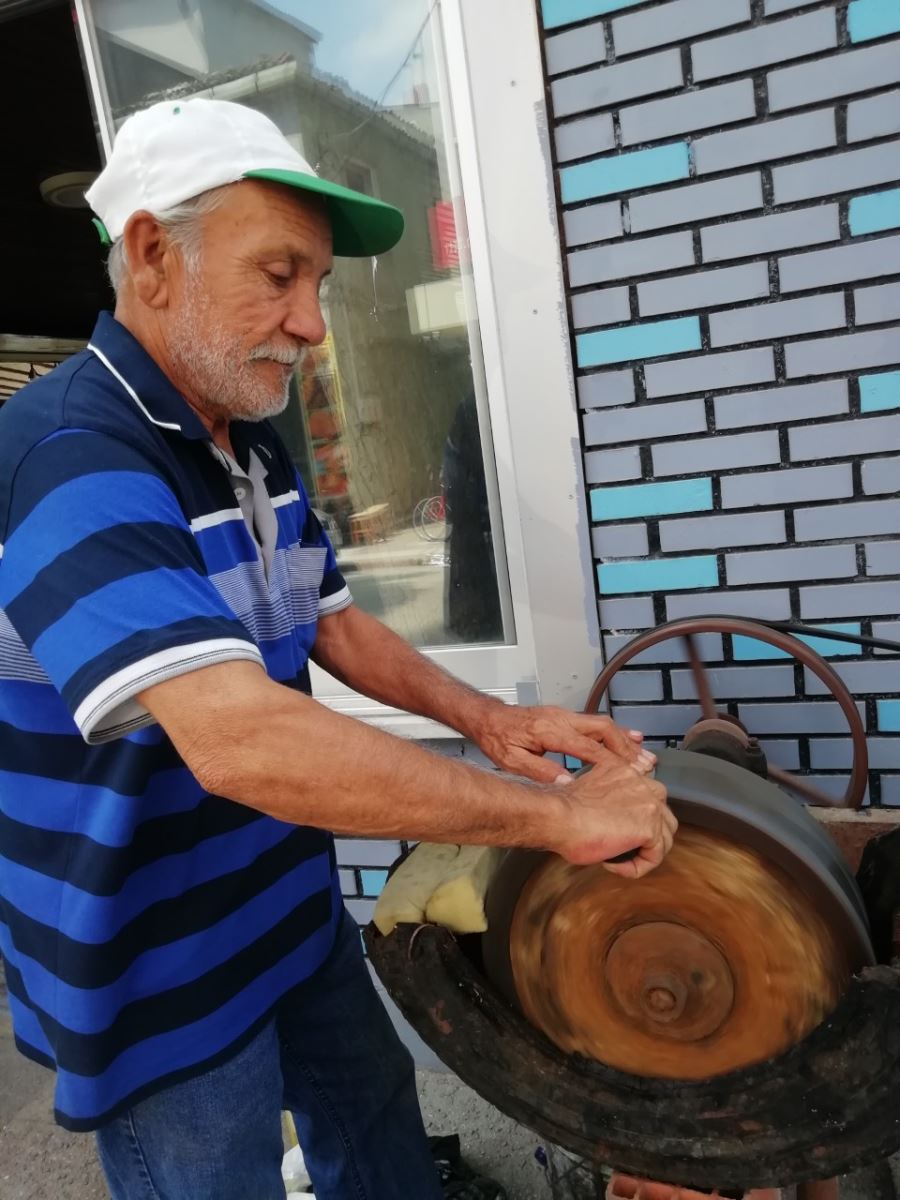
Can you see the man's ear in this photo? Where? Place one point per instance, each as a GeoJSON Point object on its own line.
{"type": "Point", "coordinates": [150, 259]}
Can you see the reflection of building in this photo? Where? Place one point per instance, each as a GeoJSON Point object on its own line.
{"type": "Point", "coordinates": [398, 326]}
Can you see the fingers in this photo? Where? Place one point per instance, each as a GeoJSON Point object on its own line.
{"type": "Point", "coordinates": [532, 766]}
{"type": "Point", "coordinates": [603, 729]}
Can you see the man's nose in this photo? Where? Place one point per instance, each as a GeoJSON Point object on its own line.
{"type": "Point", "coordinates": [304, 320]}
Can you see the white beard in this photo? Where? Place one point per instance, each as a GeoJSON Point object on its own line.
{"type": "Point", "coordinates": [215, 366]}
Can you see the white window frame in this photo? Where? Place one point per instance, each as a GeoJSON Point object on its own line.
{"type": "Point", "coordinates": [496, 94]}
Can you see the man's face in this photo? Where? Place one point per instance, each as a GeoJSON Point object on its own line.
{"type": "Point", "coordinates": [242, 314]}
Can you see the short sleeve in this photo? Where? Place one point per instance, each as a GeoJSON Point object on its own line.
{"type": "Point", "coordinates": [103, 582]}
{"type": "Point", "coordinates": [334, 594]}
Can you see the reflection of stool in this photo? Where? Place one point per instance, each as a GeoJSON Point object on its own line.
{"type": "Point", "coordinates": [370, 525]}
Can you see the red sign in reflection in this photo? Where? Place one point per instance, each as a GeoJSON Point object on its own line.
{"type": "Point", "coordinates": [444, 243]}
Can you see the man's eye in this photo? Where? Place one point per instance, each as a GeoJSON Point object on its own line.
{"type": "Point", "coordinates": [279, 278]}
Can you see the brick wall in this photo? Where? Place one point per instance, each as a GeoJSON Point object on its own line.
{"type": "Point", "coordinates": [730, 212]}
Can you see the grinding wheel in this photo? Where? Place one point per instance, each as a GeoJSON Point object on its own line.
{"type": "Point", "coordinates": [734, 949]}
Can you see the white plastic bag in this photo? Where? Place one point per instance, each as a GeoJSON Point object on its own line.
{"type": "Point", "coordinates": [294, 1174]}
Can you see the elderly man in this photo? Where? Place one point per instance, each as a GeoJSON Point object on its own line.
{"type": "Point", "coordinates": [175, 943]}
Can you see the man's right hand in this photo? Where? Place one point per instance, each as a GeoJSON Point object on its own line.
{"type": "Point", "coordinates": [611, 810]}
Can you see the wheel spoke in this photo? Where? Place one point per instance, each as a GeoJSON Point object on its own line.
{"type": "Point", "coordinates": [797, 783]}
{"type": "Point", "coordinates": [701, 679]}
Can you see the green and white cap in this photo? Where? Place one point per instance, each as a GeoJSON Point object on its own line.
{"type": "Point", "coordinates": [177, 149]}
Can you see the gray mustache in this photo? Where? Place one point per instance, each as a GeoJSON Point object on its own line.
{"type": "Point", "coordinates": [279, 354]}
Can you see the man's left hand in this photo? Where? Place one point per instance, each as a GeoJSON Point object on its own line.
{"type": "Point", "coordinates": [516, 738]}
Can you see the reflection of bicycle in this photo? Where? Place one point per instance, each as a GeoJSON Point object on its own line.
{"type": "Point", "coordinates": [431, 519]}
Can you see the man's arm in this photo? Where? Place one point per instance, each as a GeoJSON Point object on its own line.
{"type": "Point", "coordinates": [369, 657]}
{"type": "Point", "coordinates": [254, 741]}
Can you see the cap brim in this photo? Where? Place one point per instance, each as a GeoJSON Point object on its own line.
{"type": "Point", "coordinates": [361, 225]}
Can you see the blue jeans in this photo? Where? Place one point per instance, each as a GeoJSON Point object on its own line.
{"type": "Point", "coordinates": [331, 1056]}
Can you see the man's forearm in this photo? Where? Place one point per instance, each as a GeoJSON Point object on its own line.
{"type": "Point", "coordinates": [367, 656]}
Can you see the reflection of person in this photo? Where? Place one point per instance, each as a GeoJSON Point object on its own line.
{"type": "Point", "coordinates": [170, 916]}
{"type": "Point", "coordinates": [473, 602]}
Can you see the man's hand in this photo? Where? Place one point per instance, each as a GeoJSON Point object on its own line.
{"type": "Point", "coordinates": [611, 810]}
{"type": "Point", "coordinates": [516, 739]}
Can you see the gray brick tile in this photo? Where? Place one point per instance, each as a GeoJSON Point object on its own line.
{"type": "Point", "coordinates": [634, 612]}
{"type": "Point", "coordinates": [890, 790]}
{"type": "Point", "coordinates": [620, 541]}
{"type": "Point", "coordinates": [584, 137]}
{"type": "Point", "coordinates": [606, 389]}
{"type": "Point", "coordinates": [676, 22]}
{"type": "Point", "coordinates": [763, 235]}
{"type": "Point", "coordinates": [795, 563]}
{"type": "Point", "coordinates": [361, 911]}
{"type": "Point", "coordinates": [581, 47]}
{"type": "Point", "coordinates": [709, 646]}
{"type": "Point", "coordinates": [737, 682]}
{"type": "Point", "coordinates": [762, 322]}
{"type": "Point", "coordinates": [606, 87]}
{"type": "Point", "coordinates": [695, 202]}
{"type": "Point", "coordinates": [839, 264]}
{"type": "Point", "coordinates": [719, 453]}
{"type": "Point", "coordinates": [646, 421]}
{"type": "Point", "coordinates": [883, 558]}
{"type": "Point", "coordinates": [852, 352]}
{"type": "Point", "coordinates": [781, 6]}
{"type": "Point", "coordinates": [865, 518]}
{"type": "Point", "coordinates": [874, 116]}
{"type": "Point", "coordinates": [838, 75]}
{"type": "Point", "coordinates": [361, 852]}
{"type": "Point", "coordinates": [722, 532]}
{"type": "Point", "coordinates": [841, 439]}
{"type": "Point", "coordinates": [709, 372]}
{"type": "Point", "coordinates": [347, 880]}
{"type": "Point", "coordinates": [889, 630]}
{"type": "Point", "coordinates": [813, 716]}
{"type": "Point", "coordinates": [849, 600]}
{"type": "Point", "coordinates": [787, 487]}
{"type": "Point", "coordinates": [772, 43]}
{"type": "Point", "coordinates": [782, 752]}
{"type": "Point", "coordinates": [835, 754]}
{"type": "Point", "coordinates": [835, 173]}
{"type": "Point", "coordinates": [671, 720]}
{"type": "Point", "coordinates": [775, 406]}
{"type": "Point", "coordinates": [833, 785]}
{"type": "Point", "coordinates": [706, 108]}
{"type": "Point", "coordinates": [612, 466]}
{"type": "Point", "coordinates": [626, 260]}
{"type": "Point", "coordinates": [862, 678]}
{"type": "Point", "coordinates": [703, 289]}
{"type": "Point", "coordinates": [881, 475]}
{"type": "Point", "coordinates": [605, 307]}
{"type": "Point", "coordinates": [773, 604]}
{"type": "Point", "coordinates": [636, 685]}
{"type": "Point", "coordinates": [876, 304]}
{"type": "Point", "coordinates": [765, 141]}
{"type": "Point", "coordinates": [593, 223]}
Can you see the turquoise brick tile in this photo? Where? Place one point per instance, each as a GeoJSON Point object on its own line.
{"type": "Point", "coordinates": [651, 499]}
{"type": "Point", "coordinates": [745, 648]}
{"type": "Point", "coordinates": [653, 339]}
{"type": "Point", "coordinates": [564, 12]}
{"type": "Point", "coordinates": [625, 172]}
{"type": "Point", "coordinates": [867, 19]}
{"type": "Point", "coordinates": [878, 392]}
{"type": "Point", "coordinates": [880, 210]}
{"type": "Point", "coordinates": [572, 763]}
{"type": "Point", "coordinates": [658, 574]}
{"type": "Point", "coordinates": [889, 716]}
{"type": "Point", "coordinates": [373, 882]}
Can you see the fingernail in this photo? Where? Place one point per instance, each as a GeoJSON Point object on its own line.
{"type": "Point", "coordinates": [563, 779]}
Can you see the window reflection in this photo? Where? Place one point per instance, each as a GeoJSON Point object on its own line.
{"type": "Point", "coordinates": [384, 421]}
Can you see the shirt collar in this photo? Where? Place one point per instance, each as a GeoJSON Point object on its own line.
{"type": "Point", "coordinates": [144, 381]}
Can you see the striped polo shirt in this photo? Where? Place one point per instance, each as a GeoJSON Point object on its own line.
{"type": "Point", "coordinates": [147, 927]}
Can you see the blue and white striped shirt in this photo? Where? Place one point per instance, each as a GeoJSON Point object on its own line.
{"type": "Point", "coordinates": [147, 927]}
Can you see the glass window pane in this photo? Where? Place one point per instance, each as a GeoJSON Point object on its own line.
{"type": "Point", "coordinates": [387, 420]}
